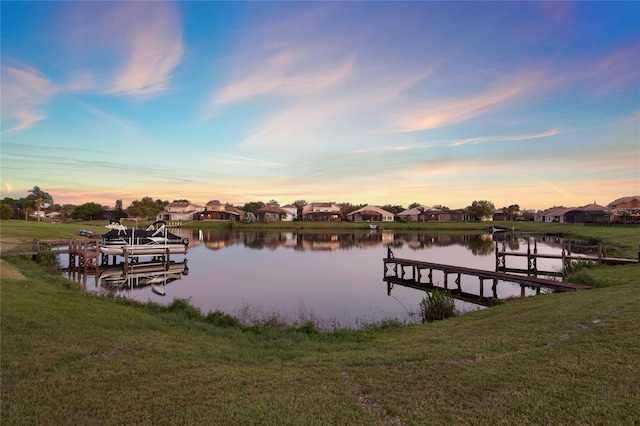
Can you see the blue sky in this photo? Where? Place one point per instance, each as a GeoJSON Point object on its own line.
{"type": "Point", "coordinates": [364, 102]}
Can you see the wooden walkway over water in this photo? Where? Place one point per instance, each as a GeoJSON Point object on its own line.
{"type": "Point", "coordinates": [416, 268]}
{"type": "Point", "coordinates": [567, 255]}
{"type": "Point", "coordinates": [419, 274]}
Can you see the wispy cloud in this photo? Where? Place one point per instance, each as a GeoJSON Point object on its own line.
{"type": "Point", "coordinates": [286, 73]}
{"type": "Point", "coordinates": [24, 93]}
{"type": "Point", "coordinates": [516, 138]}
{"type": "Point", "coordinates": [618, 70]}
{"type": "Point", "coordinates": [154, 49]}
{"type": "Point", "coordinates": [437, 113]}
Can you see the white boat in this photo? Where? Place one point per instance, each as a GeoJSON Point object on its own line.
{"type": "Point", "coordinates": [496, 229]}
{"type": "Point", "coordinates": [156, 240]}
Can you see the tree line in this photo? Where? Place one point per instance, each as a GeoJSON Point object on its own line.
{"type": "Point", "coordinates": [38, 201]}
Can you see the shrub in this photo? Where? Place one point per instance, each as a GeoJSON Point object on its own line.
{"type": "Point", "coordinates": [183, 308]}
{"type": "Point", "coordinates": [437, 305]}
{"type": "Point", "coordinates": [222, 319]}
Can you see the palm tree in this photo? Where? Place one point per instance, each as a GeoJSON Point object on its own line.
{"type": "Point", "coordinates": [40, 198]}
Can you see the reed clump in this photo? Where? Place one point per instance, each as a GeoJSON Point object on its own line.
{"type": "Point", "coordinates": [437, 305]}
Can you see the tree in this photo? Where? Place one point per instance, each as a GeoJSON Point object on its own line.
{"type": "Point", "coordinates": [346, 208]}
{"type": "Point", "coordinates": [252, 206]}
{"type": "Point", "coordinates": [392, 209]}
{"type": "Point", "coordinates": [511, 212]}
{"type": "Point", "coordinates": [162, 204]}
{"type": "Point", "coordinates": [119, 211]}
{"type": "Point", "coordinates": [146, 208]}
{"type": "Point", "coordinates": [41, 198]}
{"type": "Point", "coordinates": [273, 203]}
{"type": "Point", "coordinates": [67, 210]}
{"type": "Point", "coordinates": [299, 205]}
{"type": "Point", "coordinates": [5, 211]}
{"type": "Point", "coordinates": [479, 209]}
{"type": "Point", "coordinates": [27, 203]}
{"type": "Point", "coordinates": [413, 205]}
{"type": "Point", "coordinates": [87, 211]}
{"type": "Point", "coordinates": [13, 204]}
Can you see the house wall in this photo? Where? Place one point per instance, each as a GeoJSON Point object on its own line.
{"type": "Point", "coordinates": [633, 204]}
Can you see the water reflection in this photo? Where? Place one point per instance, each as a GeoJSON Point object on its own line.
{"type": "Point", "coordinates": [335, 276]}
{"type": "Point", "coordinates": [116, 279]}
{"type": "Point", "coordinates": [481, 245]}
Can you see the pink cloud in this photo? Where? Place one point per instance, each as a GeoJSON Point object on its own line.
{"type": "Point", "coordinates": [285, 74]}
{"type": "Point", "coordinates": [24, 92]}
{"type": "Point", "coordinates": [154, 48]}
{"type": "Point", "coordinates": [617, 70]}
{"type": "Point", "coordinates": [473, 141]}
{"type": "Point", "coordinates": [440, 113]}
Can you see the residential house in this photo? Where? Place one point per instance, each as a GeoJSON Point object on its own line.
{"type": "Point", "coordinates": [271, 212]}
{"type": "Point", "coordinates": [180, 210]}
{"type": "Point", "coordinates": [293, 212]}
{"type": "Point", "coordinates": [591, 213]}
{"type": "Point", "coordinates": [552, 215]}
{"type": "Point", "coordinates": [370, 214]}
{"type": "Point", "coordinates": [626, 209]}
{"type": "Point", "coordinates": [626, 203]}
{"type": "Point", "coordinates": [457, 215]}
{"type": "Point", "coordinates": [500, 215]}
{"type": "Point", "coordinates": [321, 212]}
{"type": "Point", "coordinates": [215, 210]}
{"type": "Point", "coordinates": [420, 214]}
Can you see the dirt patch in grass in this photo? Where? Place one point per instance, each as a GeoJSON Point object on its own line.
{"type": "Point", "coordinates": [9, 272]}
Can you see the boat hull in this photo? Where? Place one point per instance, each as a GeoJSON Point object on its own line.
{"type": "Point", "coordinates": [142, 250]}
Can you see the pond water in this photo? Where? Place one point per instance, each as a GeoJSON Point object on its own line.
{"type": "Point", "coordinates": [334, 279]}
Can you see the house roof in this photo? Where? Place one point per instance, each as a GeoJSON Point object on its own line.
{"type": "Point", "coordinates": [233, 210]}
{"type": "Point", "coordinates": [556, 211]}
{"type": "Point", "coordinates": [271, 209]}
{"type": "Point", "coordinates": [416, 211]}
{"type": "Point", "coordinates": [591, 208]}
{"type": "Point", "coordinates": [182, 204]}
{"type": "Point", "coordinates": [374, 209]}
{"type": "Point", "coordinates": [320, 205]}
{"type": "Point", "coordinates": [624, 200]}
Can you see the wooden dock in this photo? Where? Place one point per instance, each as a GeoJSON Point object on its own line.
{"type": "Point", "coordinates": [417, 266]}
{"type": "Point", "coordinates": [566, 256]}
{"type": "Point", "coordinates": [84, 253]}
{"type": "Point", "coordinates": [419, 274]}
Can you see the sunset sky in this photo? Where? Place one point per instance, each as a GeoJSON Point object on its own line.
{"type": "Point", "coordinates": [536, 104]}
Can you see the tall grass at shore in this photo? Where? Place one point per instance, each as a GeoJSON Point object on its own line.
{"type": "Point", "coordinates": [437, 305]}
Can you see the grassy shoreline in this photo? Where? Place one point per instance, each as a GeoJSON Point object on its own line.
{"type": "Point", "coordinates": [69, 357]}
{"type": "Point", "coordinates": [75, 358]}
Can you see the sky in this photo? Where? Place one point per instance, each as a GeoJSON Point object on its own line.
{"type": "Point", "coordinates": [439, 103]}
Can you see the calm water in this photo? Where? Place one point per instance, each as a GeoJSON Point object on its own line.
{"type": "Point", "coordinates": [334, 279]}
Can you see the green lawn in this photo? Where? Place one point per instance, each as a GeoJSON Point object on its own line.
{"type": "Point", "coordinates": [75, 358]}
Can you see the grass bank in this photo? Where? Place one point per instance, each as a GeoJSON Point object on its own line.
{"type": "Point", "coordinates": [75, 358]}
